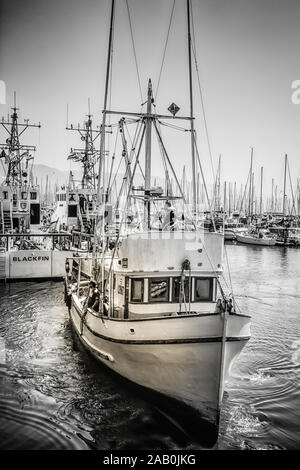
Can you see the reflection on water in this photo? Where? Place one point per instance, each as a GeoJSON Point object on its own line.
{"type": "Point", "coordinates": [260, 409]}
{"type": "Point", "coordinates": [54, 396]}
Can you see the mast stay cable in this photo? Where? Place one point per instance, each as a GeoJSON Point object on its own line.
{"type": "Point", "coordinates": [193, 42]}
{"type": "Point", "coordinates": [134, 50]}
{"type": "Point", "coordinates": [165, 50]}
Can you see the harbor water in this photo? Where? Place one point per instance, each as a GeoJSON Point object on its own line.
{"type": "Point", "coordinates": [53, 395]}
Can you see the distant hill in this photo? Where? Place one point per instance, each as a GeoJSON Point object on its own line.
{"type": "Point", "coordinates": [55, 176]}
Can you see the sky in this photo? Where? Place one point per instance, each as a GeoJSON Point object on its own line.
{"type": "Point", "coordinates": [54, 53]}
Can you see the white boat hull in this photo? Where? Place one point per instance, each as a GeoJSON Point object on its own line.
{"type": "Point", "coordinates": [255, 241]}
{"type": "Point", "coordinates": [178, 357]}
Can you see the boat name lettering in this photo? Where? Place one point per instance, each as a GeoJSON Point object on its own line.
{"type": "Point", "coordinates": [31, 258]}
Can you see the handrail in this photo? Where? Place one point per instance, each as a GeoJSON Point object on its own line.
{"type": "Point", "coordinates": [27, 235]}
{"type": "Point", "coordinates": [2, 216]}
{"type": "Point", "coordinates": [10, 213]}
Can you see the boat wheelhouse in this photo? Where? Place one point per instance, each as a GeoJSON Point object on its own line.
{"type": "Point", "coordinates": [20, 208]}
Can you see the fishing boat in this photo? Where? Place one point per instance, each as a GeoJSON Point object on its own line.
{"type": "Point", "coordinates": [76, 201]}
{"type": "Point", "coordinates": [150, 305]}
{"type": "Point", "coordinates": [27, 251]}
{"type": "Point", "coordinates": [20, 207]}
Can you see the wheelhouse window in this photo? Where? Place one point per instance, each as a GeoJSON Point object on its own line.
{"type": "Point", "coordinates": [33, 195]}
{"type": "Point", "coordinates": [203, 289]}
{"type": "Point", "coordinates": [23, 195]}
{"type": "Point", "coordinates": [159, 290]}
{"type": "Point", "coordinates": [72, 211]}
{"type": "Point", "coordinates": [5, 194]}
{"type": "Point", "coordinates": [181, 289]}
{"type": "Point", "coordinates": [137, 290]}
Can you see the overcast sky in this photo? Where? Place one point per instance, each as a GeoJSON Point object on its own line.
{"type": "Point", "coordinates": [54, 52]}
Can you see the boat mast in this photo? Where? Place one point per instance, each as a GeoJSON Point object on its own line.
{"type": "Point", "coordinates": [284, 186]}
{"type": "Point", "coordinates": [272, 200]}
{"type": "Point", "coordinates": [148, 123]}
{"type": "Point", "coordinates": [261, 189]}
{"type": "Point", "coordinates": [102, 196]}
{"type": "Point", "coordinates": [88, 155]}
{"type": "Point", "coordinates": [12, 149]}
{"type": "Point", "coordinates": [194, 195]}
{"type": "Point", "coordinates": [250, 184]}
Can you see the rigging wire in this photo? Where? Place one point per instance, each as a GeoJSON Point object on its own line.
{"type": "Point", "coordinates": [126, 202]}
{"type": "Point", "coordinates": [168, 183]}
{"type": "Point", "coordinates": [165, 49]}
{"type": "Point", "coordinates": [291, 185]}
{"type": "Point", "coordinates": [131, 156]}
{"type": "Point", "coordinates": [134, 50]}
{"type": "Point", "coordinates": [204, 183]}
{"type": "Point", "coordinates": [201, 93]}
{"type": "Point", "coordinates": [244, 195]}
{"type": "Point", "coordinates": [172, 126]}
{"type": "Point", "coordinates": [128, 133]}
{"type": "Point", "coordinates": [112, 162]}
{"type": "Point", "coordinates": [121, 158]}
{"type": "Point", "coordinates": [230, 281]}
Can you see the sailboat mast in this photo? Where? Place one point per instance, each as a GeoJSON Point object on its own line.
{"type": "Point", "coordinates": [194, 194]}
{"type": "Point", "coordinates": [250, 184]}
{"type": "Point", "coordinates": [148, 156]}
{"type": "Point", "coordinates": [261, 189]}
{"type": "Point", "coordinates": [103, 125]}
{"type": "Point", "coordinates": [284, 185]}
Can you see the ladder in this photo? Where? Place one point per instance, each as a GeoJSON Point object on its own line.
{"type": "Point", "coordinates": [6, 222]}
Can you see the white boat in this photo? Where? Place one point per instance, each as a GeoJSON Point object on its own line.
{"type": "Point", "coordinates": [75, 202]}
{"type": "Point", "coordinates": [231, 229]}
{"type": "Point", "coordinates": [251, 239]}
{"type": "Point", "coordinates": [183, 350]}
{"type": "Point", "coordinates": [150, 305]}
{"type": "Point", "coordinates": [26, 250]}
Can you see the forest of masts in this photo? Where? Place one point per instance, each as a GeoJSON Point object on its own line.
{"type": "Point", "coordinates": [249, 198]}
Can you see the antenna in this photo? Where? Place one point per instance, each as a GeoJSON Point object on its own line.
{"type": "Point", "coordinates": [13, 151]}
{"type": "Point", "coordinates": [87, 156]}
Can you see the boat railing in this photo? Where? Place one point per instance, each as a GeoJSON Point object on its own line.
{"type": "Point", "coordinates": [38, 241]}
{"type": "Point", "coordinates": [2, 217]}
{"type": "Point", "coordinates": [82, 240]}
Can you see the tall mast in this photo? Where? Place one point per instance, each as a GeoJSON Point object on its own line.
{"type": "Point", "coordinates": [103, 195]}
{"type": "Point", "coordinates": [284, 186]}
{"type": "Point", "coordinates": [13, 152]}
{"type": "Point", "coordinates": [217, 187]}
{"type": "Point", "coordinates": [148, 122]}
{"type": "Point", "coordinates": [250, 184]}
{"type": "Point", "coordinates": [194, 195]}
{"type": "Point", "coordinates": [261, 189]}
{"type": "Point", "coordinates": [234, 196]}
{"type": "Point", "coordinates": [88, 155]}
